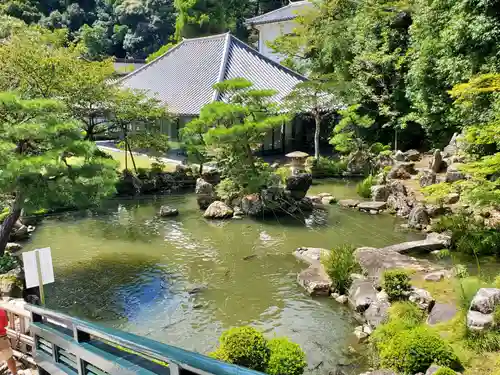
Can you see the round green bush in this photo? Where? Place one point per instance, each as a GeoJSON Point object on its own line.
{"type": "Point", "coordinates": [287, 358]}
{"type": "Point", "coordinates": [243, 346]}
{"type": "Point", "coordinates": [413, 351]}
{"type": "Point", "coordinates": [407, 311]}
{"type": "Point", "coordinates": [445, 371]}
{"type": "Point", "coordinates": [396, 283]}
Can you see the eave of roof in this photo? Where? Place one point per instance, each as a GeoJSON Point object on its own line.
{"type": "Point", "coordinates": [273, 16]}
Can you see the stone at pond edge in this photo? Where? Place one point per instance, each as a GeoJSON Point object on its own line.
{"type": "Point", "coordinates": [377, 313]}
{"type": "Point", "coordinates": [310, 255]}
{"type": "Point", "coordinates": [361, 294]}
{"type": "Point", "coordinates": [380, 193]}
{"type": "Point", "coordinates": [328, 200]}
{"type": "Point", "coordinates": [426, 246]}
{"type": "Point", "coordinates": [348, 203]}
{"type": "Point", "coordinates": [167, 211]}
{"type": "Point", "coordinates": [341, 299]}
{"type": "Point", "coordinates": [315, 281]}
{"type": "Point", "coordinates": [441, 313]}
{"type": "Point", "coordinates": [299, 185]}
{"type": "Point", "coordinates": [477, 321]}
{"type": "Point", "coordinates": [368, 206]}
{"type": "Point", "coordinates": [218, 210]}
{"type": "Point", "coordinates": [418, 217]}
{"type": "Point", "coordinates": [205, 194]}
{"type": "Point", "coordinates": [485, 300]}
{"type": "Point", "coordinates": [360, 335]}
{"type": "Point", "coordinates": [11, 283]}
{"type": "Point", "coordinates": [12, 247]}
{"type": "Point", "coordinates": [380, 372]}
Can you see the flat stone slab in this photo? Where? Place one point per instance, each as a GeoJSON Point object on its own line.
{"type": "Point", "coordinates": [441, 313]}
{"type": "Point", "coordinates": [368, 206]}
{"type": "Point", "coordinates": [375, 261]}
{"type": "Point", "coordinates": [310, 255]}
{"type": "Point", "coordinates": [427, 245]}
{"type": "Point", "coordinates": [315, 281]}
{"type": "Point", "coordinates": [351, 203]}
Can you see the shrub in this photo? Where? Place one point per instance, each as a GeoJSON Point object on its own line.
{"type": "Point", "coordinates": [488, 341]}
{"type": "Point", "coordinates": [496, 317]}
{"type": "Point", "coordinates": [364, 188]}
{"type": "Point", "coordinates": [283, 173]}
{"type": "Point", "coordinates": [497, 282]}
{"type": "Point", "coordinates": [287, 358]}
{"type": "Point", "coordinates": [467, 289]}
{"type": "Point", "coordinates": [396, 283]}
{"type": "Point", "coordinates": [227, 190]}
{"type": "Point", "coordinates": [326, 167]}
{"type": "Point", "coordinates": [243, 346]}
{"type": "Point", "coordinates": [445, 371]}
{"type": "Point", "coordinates": [408, 312]}
{"type": "Point", "coordinates": [339, 265]}
{"type": "Point", "coordinates": [414, 350]}
{"type": "Point", "coordinates": [7, 263]}
{"type": "Point", "coordinates": [460, 271]}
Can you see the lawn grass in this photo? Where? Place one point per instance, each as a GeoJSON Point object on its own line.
{"type": "Point", "coordinates": [141, 161]}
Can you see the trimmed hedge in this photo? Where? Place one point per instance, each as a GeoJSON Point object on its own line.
{"type": "Point", "coordinates": [287, 358]}
{"type": "Point", "coordinates": [396, 283]}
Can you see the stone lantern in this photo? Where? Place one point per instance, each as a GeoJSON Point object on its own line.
{"type": "Point", "coordinates": [298, 159]}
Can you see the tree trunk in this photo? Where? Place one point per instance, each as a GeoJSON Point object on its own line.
{"type": "Point", "coordinates": [201, 169]}
{"type": "Point", "coordinates": [317, 132]}
{"type": "Point", "coordinates": [127, 146]}
{"type": "Point", "coordinates": [395, 139]}
{"type": "Point", "coordinates": [9, 223]}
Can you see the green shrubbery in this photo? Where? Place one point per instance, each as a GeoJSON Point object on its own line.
{"type": "Point", "coordinates": [8, 262]}
{"type": "Point", "coordinates": [326, 167]}
{"type": "Point", "coordinates": [364, 188]}
{"type": "Point", "coordinates": [396, 283]}
{"type": "Point", "coordinates": [445, 371]}
{"type": "Point", "coordinates": [283, 173]}
{"type": "Point", "coordinates": [4, 213]}
{"type": "Point", "coordinates": [247, 347]}
{"type": "Point", "coordinates": [468, 235]}
{"type": "Point", "coordinates": [287, 358]}
{"type": "Point", "coordinates": [496, 317]}
{"type": "Point", "coordinates": [414, 350]}
{"type": "Point", "coordinates": [340, 264]}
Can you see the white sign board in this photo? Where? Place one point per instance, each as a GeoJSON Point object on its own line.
{"type": "Point", "coordinates": [31, 268]}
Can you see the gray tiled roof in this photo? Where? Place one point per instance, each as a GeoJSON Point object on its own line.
{"type": "Point", "coordinates": [183, 78]}
{"type": "Point", "coordinates": [286, 13]}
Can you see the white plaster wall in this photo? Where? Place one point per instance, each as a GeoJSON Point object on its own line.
{"type": "Point", "coordinates": [269, 32]}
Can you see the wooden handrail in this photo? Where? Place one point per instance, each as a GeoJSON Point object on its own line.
{"type": "Point", "coordinates": [86, 336]}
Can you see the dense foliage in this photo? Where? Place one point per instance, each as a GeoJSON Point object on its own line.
{"type": "Point", "coordinates": [8, 262]}
{"type": "Point", "coordinates": [364, 188]}
{"type": "Point", "coordinates": [247, 347]}
{"type": "Point", "coordinates": [340, 263]}
{"type": "Point", "coordinates": [396, 283]}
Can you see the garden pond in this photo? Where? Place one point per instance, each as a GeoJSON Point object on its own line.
{"type": "Point", "coordinates": [184, 280]}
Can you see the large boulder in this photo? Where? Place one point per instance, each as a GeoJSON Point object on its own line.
{"type": "Point", "coordinates": [11, 283]}
{"type": "Point", "coordinates": [252, 205]}
{"type": "Point", "coordinates": [377, 313]}
{"type": "Point", "coordinates": [428, 178]}
{"type": "Point", "coordinates": [380, 193]}
{"type": "Point", "coordinates": [477, 321]}
{"type": "Point", "coordinates": [218, 210]}
{"type": "Point", "coordinates": [13, 247]}
{"type": "Point", "coordinates": [362, 294]}
{"type": "Point", "coordinates": [436, 162]}
{"type": "Point", "coordinates": [453, 147]}
{"type": "Point", "coordinates": [399, 155]}
{"type": "Point", "coordinates": [167, 211]}
{"type": "Point", "coordinates": [359, 163]}
{"type": "Point", "coordinates": [315, 280]}
{"type": "Point", "coordinates": [441, 313]}
{"type": "Point", "coordinates": [453, 173]}
{"type": "Point", "coordinates": [418, 218]}
{"type": "Point", "coordinates": [422, 298]}
{"type": "Point", "coordinates": [402, 171]}
{"type": "Point", "coordinates": [19, 232]}
{"type": "Point", "coordinates": [400, 204]}
{"type": "Point", "coordinates": [485, 300]}
{"type": "Point", "coordinates": [412, 155]}
{"type": "Point", "coordinates": [298, 185]}
{"type": "Point", "coordinates": [205, 194]}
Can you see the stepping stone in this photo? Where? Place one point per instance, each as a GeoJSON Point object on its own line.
{"type": "Point", "coordinates": [368, 206]}
{"type": "Point", "coordinates": [348, 203]}
{"type": "Point", "coordinates": [442, 312]}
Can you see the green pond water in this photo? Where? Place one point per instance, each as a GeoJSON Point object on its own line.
{"type": "Point", "coordinates": [124, 267]}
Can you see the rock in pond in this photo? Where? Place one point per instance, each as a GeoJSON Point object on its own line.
{"type": "Point", "coordinates": [218, 210]}
{"type": "Point", "coordinates": [380, 193]}
{"type": "Point", "coordinates": [298, 185]}
{"type": "Point", "coordinates": [315, 281]}
{"type": "Point", "coordinates": [328, 200]}
{"type": "Point", "coordinates": [369, 206]}
{"type": "Point", "coordinates": [485, 300]}
{"type": "Point", "coordinates": [205, 194]}
{"type": "Point", "coordinates": [310, 255]}
{"type": "Point", "coordinates": [425, 246]}
{"type": "Point", "coordinates": [441, 313]}
{"type": "Point", "coordinates": [167, 211]}
{"type": "Point", "coordinates": [351, 203]}
{"type": "Point", "coordinates": [377, 313]}
{"type": "Point", "coordinates": [342, 299]}
{"type": "Point", "coordinates": [418, 217]}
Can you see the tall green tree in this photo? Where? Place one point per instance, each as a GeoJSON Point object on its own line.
{"type": "Point", "coordinates": [317, 97]}
{"type": "Point", "coordinates": [237, 128]}
{"type": "Point", "coordinates": [44, 161]}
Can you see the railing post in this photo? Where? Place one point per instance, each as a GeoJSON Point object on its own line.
{"type": "Point", "coordinates": [80, 337]}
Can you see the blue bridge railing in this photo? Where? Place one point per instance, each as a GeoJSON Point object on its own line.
{"type": "Point", "coordinates": [66, 345]}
